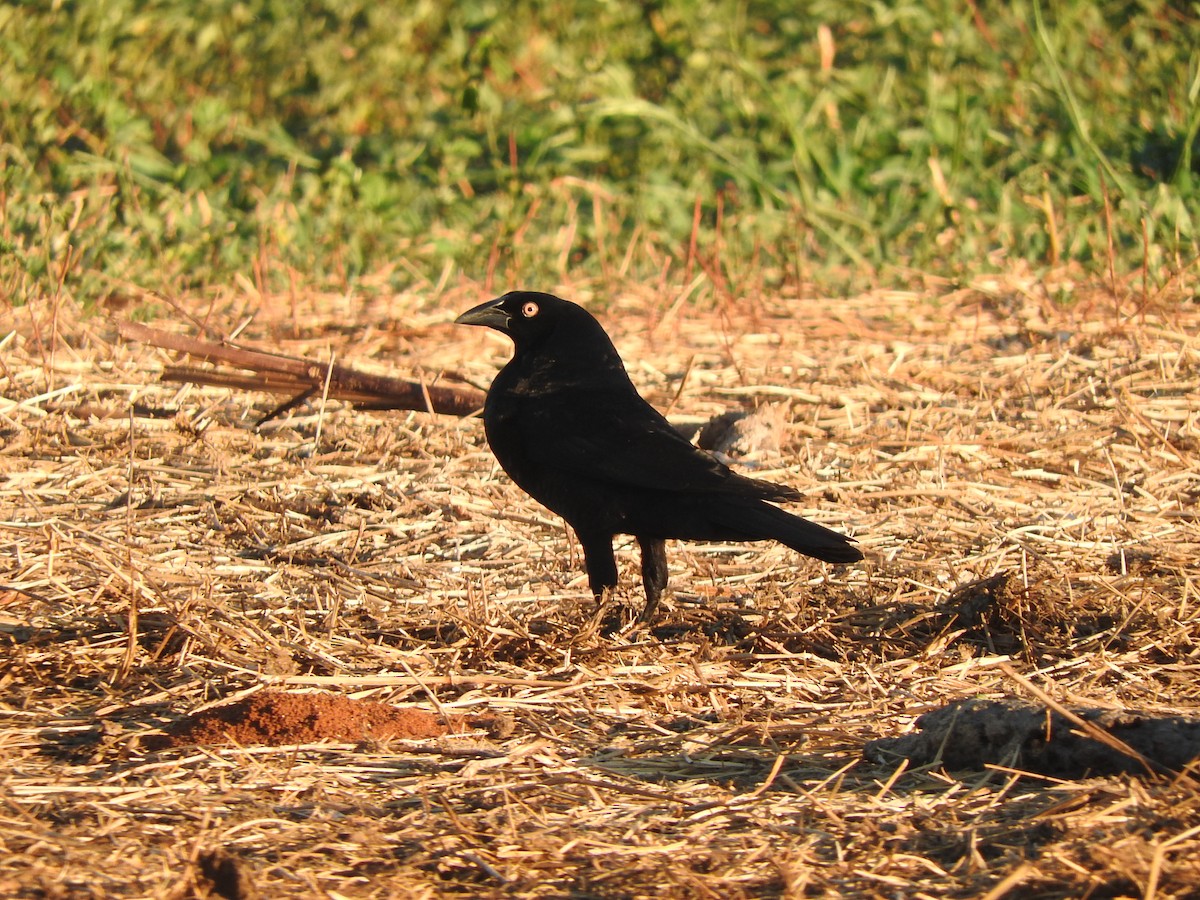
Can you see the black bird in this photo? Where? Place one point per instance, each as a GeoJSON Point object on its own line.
{"type": "Point", "coordinates": [569, 427]}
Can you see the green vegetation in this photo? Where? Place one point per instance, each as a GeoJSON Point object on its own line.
{"type": "Point", "coordinates": [171, 144]}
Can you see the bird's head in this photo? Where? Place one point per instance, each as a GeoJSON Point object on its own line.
{"type": "Point", "coordinates": [530, 317]}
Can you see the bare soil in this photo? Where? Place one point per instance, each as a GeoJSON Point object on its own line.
{"type": "Point", "coordinates": [275, 719]}
{"type": "Point", "coordinates": [341, 655]}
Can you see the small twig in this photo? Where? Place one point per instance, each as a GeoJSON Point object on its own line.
{"type": "Point", "coordinates": [131, 639]}
{"type": "Point", "coordinates": [324, 401]}
{"type": "Point", "coordinates": [682, 382]}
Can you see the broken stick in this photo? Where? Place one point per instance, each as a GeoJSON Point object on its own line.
{"type": "Point", "coordinates": [301, 378]}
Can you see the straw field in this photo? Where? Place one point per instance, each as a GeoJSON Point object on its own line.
{"type": "Point", "coordinates": [341, 655]}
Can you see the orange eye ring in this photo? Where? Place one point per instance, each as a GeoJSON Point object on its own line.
{"type": "Point", "coordinates": [529, 309]}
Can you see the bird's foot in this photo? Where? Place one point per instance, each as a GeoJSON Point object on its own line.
{"type": "Point", "coordinates": [596, 623]}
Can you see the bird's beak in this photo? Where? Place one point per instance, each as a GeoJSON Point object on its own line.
{"type": "Point", "coordinates": [489, 314]}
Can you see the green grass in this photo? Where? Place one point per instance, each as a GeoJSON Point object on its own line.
{"type": "Point", "coordinates": [172, 144]}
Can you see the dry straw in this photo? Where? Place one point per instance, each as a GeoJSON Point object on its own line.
{"type": "Point", "coordinates": [1022, 474]}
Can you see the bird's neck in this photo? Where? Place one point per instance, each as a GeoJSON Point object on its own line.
{"type": "Point", "coordinates": [568, 367]}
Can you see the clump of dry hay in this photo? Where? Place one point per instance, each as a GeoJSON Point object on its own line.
{"type": "Point", "coordinates": [1022, 475]}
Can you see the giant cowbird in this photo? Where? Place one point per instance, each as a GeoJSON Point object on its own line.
{"type": "Point", "coordinates": [569, 427]}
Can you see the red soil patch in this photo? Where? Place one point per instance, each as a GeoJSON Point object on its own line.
{"type": "Point", "coordinates": [279, 718]}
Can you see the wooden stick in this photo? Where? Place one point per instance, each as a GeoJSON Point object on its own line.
{"type": "Point", "coordinates": [279, 374]}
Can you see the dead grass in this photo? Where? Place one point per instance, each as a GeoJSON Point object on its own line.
{"type": "Point", "coordinates": [157, 556]}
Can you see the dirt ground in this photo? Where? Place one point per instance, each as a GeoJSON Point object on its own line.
{"type": "Point", "coordinates": [341, 655]}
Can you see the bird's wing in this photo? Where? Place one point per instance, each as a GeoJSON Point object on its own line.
{"type": "Point", "coordinates": [621, 440]}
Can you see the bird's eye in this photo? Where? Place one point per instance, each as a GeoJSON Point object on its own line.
{"type": "Point", "coordinates": [529, 310]}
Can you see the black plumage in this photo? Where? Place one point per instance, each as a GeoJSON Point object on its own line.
{"type": "Point", "coordinates": [568, 426]}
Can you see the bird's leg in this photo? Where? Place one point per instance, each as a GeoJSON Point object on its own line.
{"type": "Point", "coordinates": [600, 561]}
{"type": "Point", "coordinates": [654, 572]}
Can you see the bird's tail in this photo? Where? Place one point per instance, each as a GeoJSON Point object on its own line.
{"type": "Point", "coordinates": [760, 521]}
